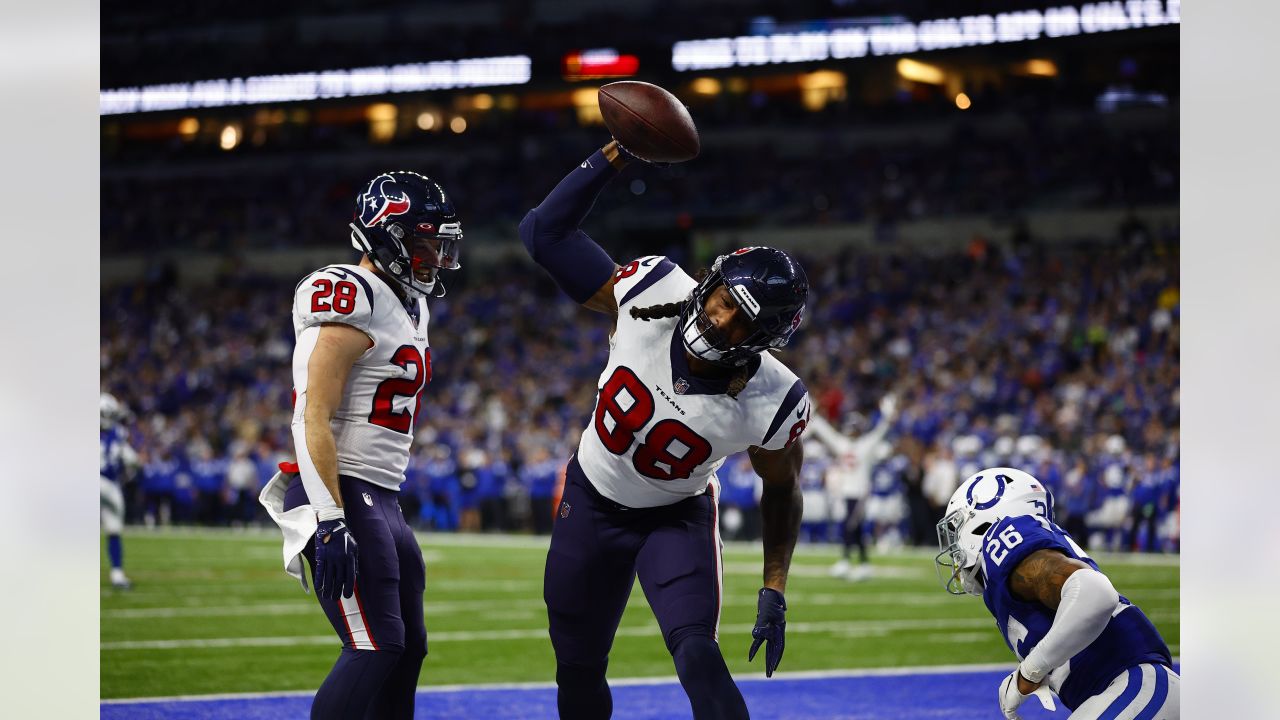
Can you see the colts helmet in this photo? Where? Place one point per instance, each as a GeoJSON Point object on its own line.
{"type": "Point", "coordinates": [112, 412]}
{"type": "Point", "coordinates": [767, 284]}
{"type": "Point", "coordinates": [981, 501]}
{"type": "Point", "coordinates": [407, 226]}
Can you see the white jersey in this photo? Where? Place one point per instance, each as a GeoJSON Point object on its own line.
{"type": "Point", "coordinates": [373, 425]}
{"type": "Point", "coordinates": [658, 433]}
{"type": "Point", "coordinates": [850, 474]}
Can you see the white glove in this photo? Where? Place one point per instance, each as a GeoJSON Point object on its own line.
{"type": "Point", "coordinates": [1010, 697]}
{"type": "Point", "coordinates": [889, 406]}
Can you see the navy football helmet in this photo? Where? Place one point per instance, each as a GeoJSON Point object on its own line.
{"type": "Point", "coordinates": [409, 229]}
{"type": "Point", "coordinates": [767, 284]}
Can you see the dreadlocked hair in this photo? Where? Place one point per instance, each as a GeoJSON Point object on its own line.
{"type": "Point", "coordinates": [657, 312]}
{"type": "Point", "coordinates": [662, 311]}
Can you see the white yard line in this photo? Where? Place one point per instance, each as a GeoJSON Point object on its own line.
{"type": "Point", "coordinates": [856, 627]}
{"type": "Point", "coordinates": [540, 542]}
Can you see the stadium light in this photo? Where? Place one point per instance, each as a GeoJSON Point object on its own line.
{"type": "Point", "coordinates": [586, 101]}
{"type": "Point", "coordinates": [355, 82]}
{"type": "Point", "coordinates": [705, 86]}
{"type": "Point", "coordinates": [229, 138]}
{"type": "Point", "coordinates": [921, 72]}
{"type": "Point", "coordinates": [188, 127]}
{"type": "Point", "coordinates": [597, 64]}
{"type": "Point", "coordinates": [817, 88]}
{"type": "Point", "coordinates": [901, 38]}
{"type": "Point", "coordinates": [382, 121]}
{"type": "Point", "coordinates": [1040, 68]}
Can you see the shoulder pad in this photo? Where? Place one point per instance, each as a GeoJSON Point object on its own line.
{"type": "Point", "coordinates": [791, 417]}
{"type": "Point", "coordinates": [637, 276]}
{"type": "Point", "coordinates": [1012, 539]}
{"type": "Point", "coordinates": [338, 293]}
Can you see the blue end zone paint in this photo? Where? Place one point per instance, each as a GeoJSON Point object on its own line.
{"type": "Point", "coordinates": [924, 696]}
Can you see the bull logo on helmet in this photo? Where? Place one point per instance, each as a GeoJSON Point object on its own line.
{"type": "Point", "coordinates": [379, 202]}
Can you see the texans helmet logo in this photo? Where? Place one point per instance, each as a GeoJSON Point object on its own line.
{"type": "Point", "coordinates": [379, 202]}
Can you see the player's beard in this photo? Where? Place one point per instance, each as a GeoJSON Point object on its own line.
{"type": "Point", "coordinates": [698, 341]}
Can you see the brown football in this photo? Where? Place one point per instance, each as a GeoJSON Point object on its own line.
{"type": "Point", "coordinates": [649, 121]}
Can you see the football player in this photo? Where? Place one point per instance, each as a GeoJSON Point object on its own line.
{"type": "Point", "coordinates": [850, 477]}
{"type": "Point", "coordinates": [688, 382]}
{"type": "Point", "coordinates": [1071, 631]}
{"type": "Point", "coordinates": [361, 361]}
{"type": "Point", "coordinates": [118, 459]}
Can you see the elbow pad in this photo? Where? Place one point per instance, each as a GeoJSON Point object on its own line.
{"type": "Point", "coordinates": [550, 232]}
{"type": "Point", "coordinates": [1088, 601]}
{"type": "Point", "coordinates": [577, 264]}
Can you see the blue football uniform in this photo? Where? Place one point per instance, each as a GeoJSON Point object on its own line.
{"type": "Point", "coordinates": [1128, 640]}
{"type": "Point", "coordinates": [115, 454]}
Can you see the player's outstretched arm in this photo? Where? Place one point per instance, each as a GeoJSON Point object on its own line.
{"type": "Point", "coordinates": [1082, 598]}
{"type": "Point", "coordinates": [780, 509]}
{"type": "Point", "coordinates": [551, 233]}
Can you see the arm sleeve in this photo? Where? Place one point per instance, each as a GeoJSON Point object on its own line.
{"type": "Point", "coordinates": [1088, 599]}
{"type": "Point", "coordinates": [577, 264]}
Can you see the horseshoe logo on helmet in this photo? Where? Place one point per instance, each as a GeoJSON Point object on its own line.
{"type": "Point", "coordinates": [986, 504]}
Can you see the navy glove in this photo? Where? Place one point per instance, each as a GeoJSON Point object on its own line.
{"type": "Point", "coordinates": [632, 157]}
{"type": "Point", "coordinates": [335, 560]}
{"type": "Point", "coordinates": [771, 627]}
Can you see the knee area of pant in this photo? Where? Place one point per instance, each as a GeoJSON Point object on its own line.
{"type": "Point", "coordinates": [391, 651]}
{"type": "Point", "coordinates": [416, 645]}
{"type": "Point", "coordinates": [581, 674]}
{"type": "Point", "coordinates": [694, 640]}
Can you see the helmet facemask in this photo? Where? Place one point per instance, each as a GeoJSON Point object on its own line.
{"type": "Point", "coordinates": [705, 341]}
{"type": "Point", "coordinates": [982, 500]}
{"type": "Point", "coordinates": [430, 250]}
{"type": "Point", "coordinates": [959, 573]}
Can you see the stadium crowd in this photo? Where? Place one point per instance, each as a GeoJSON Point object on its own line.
{"type": "Point", "coordinates": [1059, 359]}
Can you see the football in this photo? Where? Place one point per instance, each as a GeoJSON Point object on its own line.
{"type": "Point", "coordinates": [649, 121]}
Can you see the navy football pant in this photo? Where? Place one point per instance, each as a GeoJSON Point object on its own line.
{"type": "Point", "coordinates": [853, 534]}
{"type": "Point", "coordinates": [598, 548]}
{"type": "Point", "coordinates": [384, 636]}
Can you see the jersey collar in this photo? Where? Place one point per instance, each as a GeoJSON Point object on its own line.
{"type": "Point", "coordinates": [682, 376]}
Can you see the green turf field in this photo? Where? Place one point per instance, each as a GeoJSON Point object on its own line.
{"type": "Point", "coordinates": [213, 612]}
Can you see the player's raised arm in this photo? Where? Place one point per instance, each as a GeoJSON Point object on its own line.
{"type": "Point", "coordinates": [578, 265]}
{"type": "Point", "coordinates": [780, 509]}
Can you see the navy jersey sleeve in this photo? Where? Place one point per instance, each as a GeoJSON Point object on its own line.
{"type": "Point", "coordinates": [1011, 540]}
